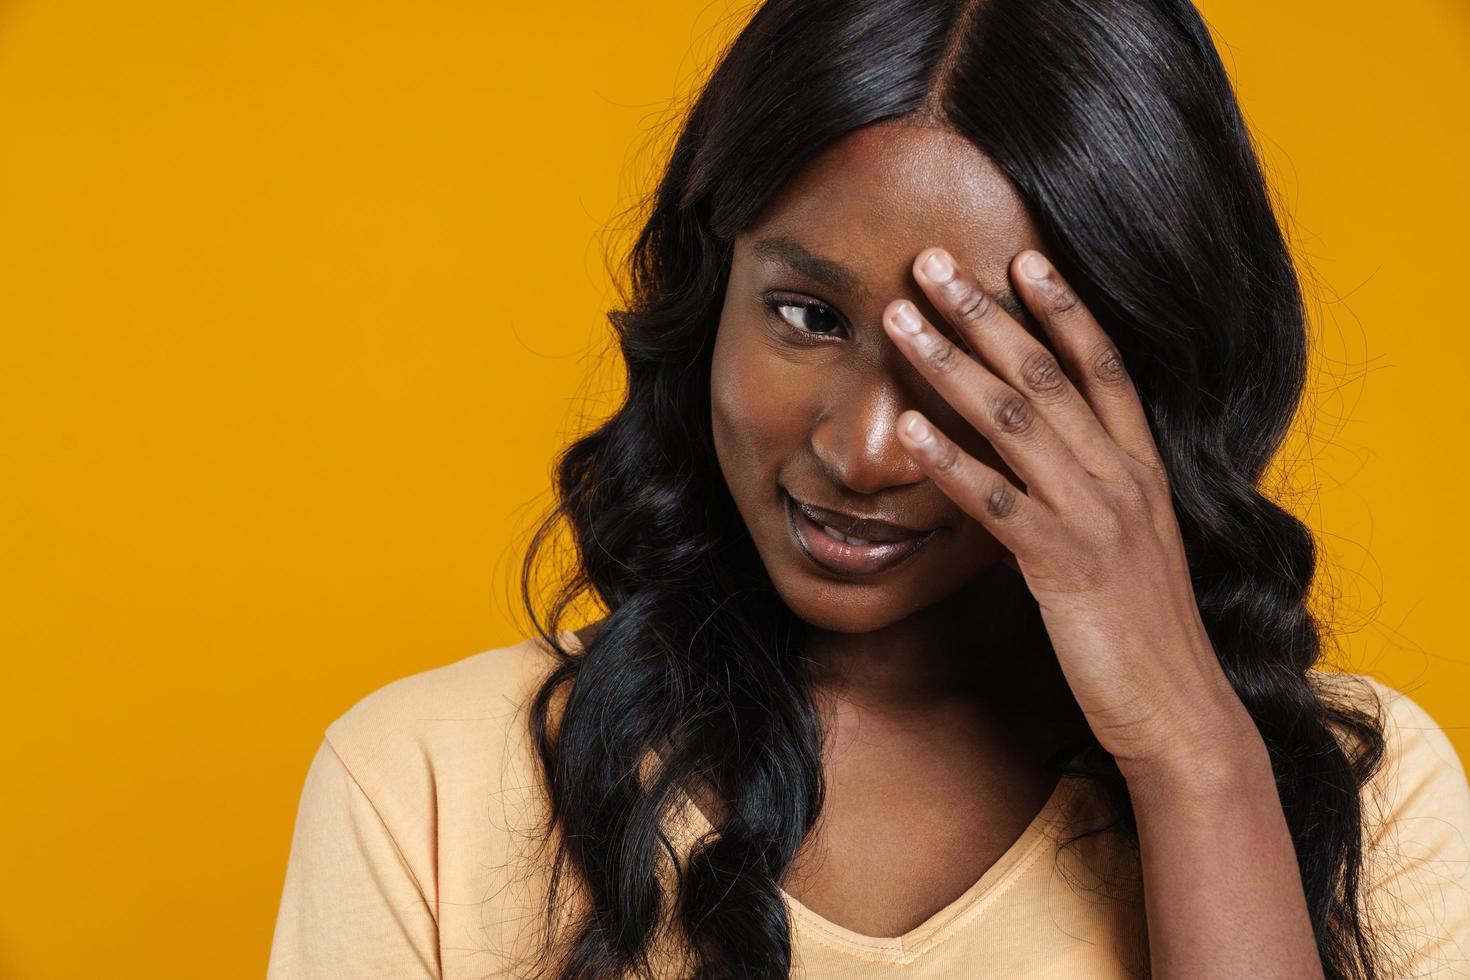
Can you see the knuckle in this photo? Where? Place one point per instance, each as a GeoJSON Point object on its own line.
{"type": "Point", "coordinates": [942, 356]}
{"type": "Point", "coordinates": [1137, 492]}
{"type": "Point", "coordinates": [1158, 475]}
{"type": "Point", "coordinates": [947, 458]}
{"type": "Point", "coordinates": [970, 303]}
{"type": "Point", "coordinates": [1041, 373]}
{"type": "Point", "coordinates": [1060, 298]}
{"type": "Point", "coordinates": [1107, 366]}
{"type": "Point", "coordinates": [1013, 414]}
{"type": "Point", "coordinates": [1109, 527]}
{"type": "Point", "coordinates": [1154, 479]}
{"type": "Point", "coordinates": [1000, 500]}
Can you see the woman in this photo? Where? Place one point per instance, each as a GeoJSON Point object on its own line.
{"type": "Point", "coordinates": [946, 631]}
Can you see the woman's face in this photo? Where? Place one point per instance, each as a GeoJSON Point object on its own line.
{"type": "Point", "coordinates": [806, 386]}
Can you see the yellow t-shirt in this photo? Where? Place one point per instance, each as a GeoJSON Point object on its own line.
{"type": "Point", "coordinates": [413, 855]}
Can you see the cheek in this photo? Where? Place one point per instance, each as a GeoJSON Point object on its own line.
{"type": "Point", "coordinates": [756, 413]}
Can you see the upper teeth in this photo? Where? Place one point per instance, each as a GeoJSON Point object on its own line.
{"type": "Point", "coordinates": [833, 533]}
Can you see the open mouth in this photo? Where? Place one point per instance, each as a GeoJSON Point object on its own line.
{"type": "Point", "coordinates": [836, 552]}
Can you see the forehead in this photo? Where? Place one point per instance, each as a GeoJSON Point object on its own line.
{"type": "Point", "coordinates": [883, 193]}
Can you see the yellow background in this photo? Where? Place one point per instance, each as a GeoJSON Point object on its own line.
{"type": "Point", "coordinates": [297, 300]}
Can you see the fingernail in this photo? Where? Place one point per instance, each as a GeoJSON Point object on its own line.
{"type": "Point", "coordinates": [917, 430]}
{"type": "Point", "coordinates": [905, 319]}
{"type": "Point", "coordinates": [1034, 266]}
{"type": "Point", "coordinates": [938, 267]}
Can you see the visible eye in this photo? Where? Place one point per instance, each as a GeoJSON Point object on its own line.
{"type": "Point", "coordinates": [803, 319]}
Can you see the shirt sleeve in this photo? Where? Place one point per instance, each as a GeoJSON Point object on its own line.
{"type": "Point", "coordinates": [1418, 853]}
{"type": "Point", "coordinates": [351, 906]}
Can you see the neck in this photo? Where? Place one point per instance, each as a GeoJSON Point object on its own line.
{"type": "Point", "coordinates": [982, 646]}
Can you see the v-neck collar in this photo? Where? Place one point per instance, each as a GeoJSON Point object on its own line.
{"type": "Point", "coordinates": [1032, 844]}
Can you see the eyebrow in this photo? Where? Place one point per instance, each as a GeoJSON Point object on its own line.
{"type": "Point", "coordinates": [792, 254]}
{"type": "Point", "coordinates": [834, 275]}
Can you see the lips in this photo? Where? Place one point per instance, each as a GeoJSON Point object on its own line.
{"type": "Point", "coordinates": [865, 529]}
{"type": "Point", "coordinates": [826, 550]}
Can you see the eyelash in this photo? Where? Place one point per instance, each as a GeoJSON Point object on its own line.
{"type": "Point", "coordinates": [777, 303]}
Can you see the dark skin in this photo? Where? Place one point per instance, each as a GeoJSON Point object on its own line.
{"type": "Point", "coordinates": [1047, 486]}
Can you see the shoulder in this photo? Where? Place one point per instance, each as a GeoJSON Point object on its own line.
{"type": "Point", "coordinates": [458, 715]}
{"type": "Point", "coordinates": [444, 758]}
{"type": "Point", "coordinates": [423, 708]}
{"type": "Point", "coordinates": [416, 832]}
{"type": "Point", "coordinates": [1421, 776]}
{"type": "Point", "coordinates": [1416, 834]}
{"type": "Point", "coordinates": [1418, 755]}
{"type": "Point", "coordinates": [447, 744]}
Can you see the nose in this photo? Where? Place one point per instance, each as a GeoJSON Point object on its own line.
{"type": "Point", "coordinates": [855, 437]}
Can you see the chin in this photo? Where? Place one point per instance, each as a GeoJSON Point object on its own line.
{"type": "Point", "coordinates": [824, 610]}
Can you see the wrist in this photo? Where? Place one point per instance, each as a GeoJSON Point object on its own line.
{"type": "Point", "coordinates": [1202, 734]}
{"type": "Point", "coordinates": [1232, 761]}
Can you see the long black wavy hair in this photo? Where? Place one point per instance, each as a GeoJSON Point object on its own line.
{"type": "Point", "coordinates": [1118, 126]}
